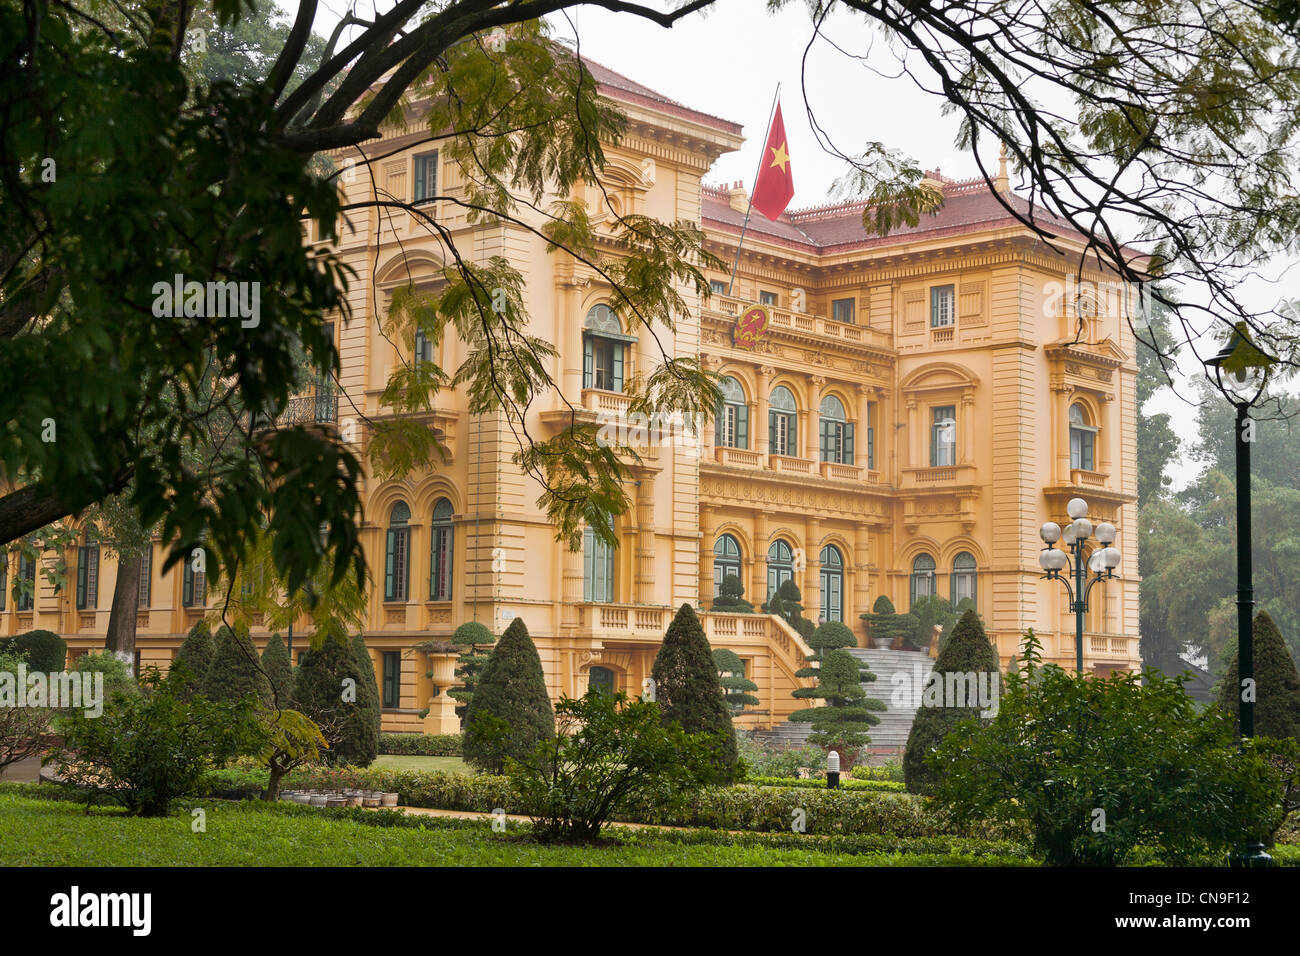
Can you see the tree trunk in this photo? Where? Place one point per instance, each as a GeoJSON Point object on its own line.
{"type": "Point", "coordinates": [126, 602]}
{"type": "Point", "coordinates": [273, 782]}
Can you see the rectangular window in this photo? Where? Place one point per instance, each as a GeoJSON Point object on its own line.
{"type": "Point", "coordinates": [27, 583]}
{"type": "Point", "coordinates": [426, 177]}
{"type": "Point", "coordinates": [87, 576]}
{"type": "Point", "coordinates": [392, 679]}
{"type": "Point", "coordinates": [602, 365]}
{"type": "Point", "coordinates": [440, 564]}
{"type": "Point", "coordinates": [597, 570]}
{"type": "Point", "coordinates": [717, 287]}
{"type": "Point", "coordinates": [767, 298]}
{"type": "Point", "coordinates": [397, 559]}
{"type": "Point", "coordinates": [842, 310]}
{"type": "Point", "coordinates": [732, 426]}
{"type": "Point", "coordinates": [146, 575]}
{"type": "Point", "coordinates": [943, 437]}
{"type": "Point", "coordinates": [780, 425]}
{"type": "Point", "coordinates": [194, 586]}
{"type": "Point", "coordinates": [837, 442]}
{"type": "Point", "coordinates": [942, 306]}
{"type": "Point", "coordinates": [1083, 443]}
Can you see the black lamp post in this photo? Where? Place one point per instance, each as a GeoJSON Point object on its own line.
{"type": "Point", "coordinates": [1242, 370]}
{"type": "Point", "coordinates": [1103, 562]}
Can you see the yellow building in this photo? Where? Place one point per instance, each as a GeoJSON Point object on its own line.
{"type": "Point", "coordinates": [914, 408]}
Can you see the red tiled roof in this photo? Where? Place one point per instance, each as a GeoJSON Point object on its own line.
{"type": "Point", "coordinates": [623, 88]}
{"type": "Point", "coordinates": [967, 205]}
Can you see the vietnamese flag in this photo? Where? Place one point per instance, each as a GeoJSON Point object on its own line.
{"type": "Point", "coordinates": [774, 187]}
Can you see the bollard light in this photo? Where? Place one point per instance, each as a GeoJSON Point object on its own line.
{"type": "Point", "coordinates": [833, 770]}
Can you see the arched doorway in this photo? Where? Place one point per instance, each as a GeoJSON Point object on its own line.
{"type": "Point", "coordinates": [832, 580]}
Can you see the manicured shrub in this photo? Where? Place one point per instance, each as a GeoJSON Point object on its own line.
{"type": "Point", "coordinates": [421, 745]}
{"type": "Point", "coordinates": [968, 653]}
{"type": "Point", "coordinates": [42, 651]}
{"type": "Point", "coordinates": [368, 691]}
{"type": "Point", "coordinates": [279, 669]}
{"type": "Point", "coordinates": [510, 712]}
{"type": "Point", "coordinates": [117, 679]}
{"type": "Point", "coordinates": [236, 668]}
{"type": "Point", "coordinates": [475, 638]}
{"type": "Point", "coordinates": [737, 689]}
{"type": "Point", "coordinates": [155, 746]}
{"type": "Point", "coordinates": [22, 728]}
{"type": "Point", "coordinates": [787, 603]}
{"type": "Point", "coordinates": [1277, 684]}
{"type": "Point", "coordinates": [1097, 767]}
{"type": "Point", "coordinates": [889, 628]}
{"type": "Point", "coordinates": [329, 689]}
{"type": "Point", "coordinates": [687, 689]}
{"type": "Point", "coordinates": [841, 724]}
{"type": "Point", "coordinates": [193, 659]}
{"type": "Point", "coordinates": [730, 599]}
{"type": "Point", "coordinates": [773, 760]}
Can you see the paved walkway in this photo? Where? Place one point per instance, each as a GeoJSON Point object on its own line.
{"type": "Point", "coordinates": [24, 771]}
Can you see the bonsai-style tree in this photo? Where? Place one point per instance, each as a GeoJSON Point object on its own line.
{"type": "Point", "coordinates": [929, 612]}
{"type": "Point", "coordinates": [688, 690]}
{"type": "Point", "coordinates": [967, 653]}
{"type": "Point", "coordinates": [890, 628]}
{"type": "Point", "coordinates": [330, 690]}
{"type": "Point", "coordinates": [236, 669]}
{"type": "Point", "coordinates": [737, 689]}
{"type": "Point", "coordinates": [1277, 684]}
{"type": "Point", "coordinates": [730, 599]}
{"type": "Point", "coordinates": [279, 669]}
{"type": "Point", "coordinates": [787, 602]}
{"type": "Point", "coordinates": [840, 725]}
{"type": "Point", "coordinates": [510, 711]}
{"type": "Point", "coordinates": [475, 638]}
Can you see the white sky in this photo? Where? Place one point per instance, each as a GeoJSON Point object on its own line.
{"type": "Point", "coordinates": [729, 61]}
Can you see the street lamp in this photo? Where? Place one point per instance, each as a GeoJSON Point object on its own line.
{"type": "Point", "coordinates": [1102, 564]}
{"type": "Point", "coordinates": [1242, 371]}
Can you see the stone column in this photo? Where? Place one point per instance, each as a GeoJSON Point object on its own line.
{"type": "Point", "coordinates": [1061, 432]}
{"type": "Point", "coordinates": [645, 551]}
{"type": "Point", "coordinates": [861, 578]}
{"type": "Point", "coordinates": [572, 583]}
{"type": "Point", "coordinates": [812, 579]}
{"type": "Point", "coordinates": [967, 453]}
{"type": "Point", "coordinates": [1102, 443]}
{"type": "Point", "coordinates": [570, 296]}
{"type": "Point", "coordinates": [762, 440]}
{"type": "Point", "coordinates": [708, 532]}
{"type": "Point", "coordinates": [913, 441]}
{"type": "Point", "coordinates": [865, 394]}
{"type": "Point", "coordinates": [806, 439]}
{"type": "Point", "coordinates": [812, 434]}
{"type": "Point", "coordinates": [758, 583]}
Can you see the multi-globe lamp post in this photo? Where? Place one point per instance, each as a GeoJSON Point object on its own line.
{"type": "Point", "coordinates": [1054, 561]}
{"type": "Point", "coordinates": [1242, 371]}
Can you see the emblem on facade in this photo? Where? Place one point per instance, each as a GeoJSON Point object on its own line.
{"type": "Point", "coordinates": [750, 327]}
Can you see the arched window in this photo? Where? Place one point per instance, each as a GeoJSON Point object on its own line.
{"type": "Point", "coordinates": [782, 419]}
{"type": "Point", "coordinates": [832, 583]}
{"type": "Point", "coordinates": [604, 350]}
{"type": "Point", "coordinates": [731, 424]}
{"type": "Point", "coordinates": [440, 552]}
{"type": "Point", "coordinates": [397, 553]}
{"type": "Point", "coordinates": [597, 569]}
{"type": "Point", "coordinates": [601, 679]}
{"type": "Point", "coordinates": [88, 574]}
{"type": "Point", "coordinates": [962, 583]}
{"type": "Point", "coordinates": [1083, 439]}
{"type": "Point", "coordinates": [780, 566]}
{"type": "Point", "coordinates": [922, 577]}
{"type": "Point", "coordinates": [836, 432]}
{"type": "Point", "coordinates": [726, 560]}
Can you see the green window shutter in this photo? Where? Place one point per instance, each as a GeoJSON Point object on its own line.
{"type": "Point", "coordinates": [742, 426]}
{"type": "Point", "coordinates": [419, 179]}
{"type": "Point", "coordinates": [792, 443]}
{"type": "Point", "coordinates": [934, 445]}
{"type": "Point", "coordinates": [588, 361]}
{"type": "Point", "coordinates": [871, 448]}
{"type": "Point", "coordinates": [718, 418]}
{"type": "Point", "coordinates": [618, 367]}
{"type": "Point", "coordinates": [187, 585]}
{"type": "Point", "coordinates": [390, 556]}
{"type": "Point", "coordinates": [824, 440]}
{"type": "Point", "coordinates": [81, 576]}
{"type": "Point", "coordinates": [771, 434]}
{"type": "Point", "coordinates": [848, 444]}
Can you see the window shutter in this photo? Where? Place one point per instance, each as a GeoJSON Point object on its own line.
{"type": "Point", "coordinates": [81, 576]}
{"type": "Point", "coordinates": [824, 440]}
{"type": "Point", "coordinates": [618, 368]}
{"type": "Point", "coordinates": [588, 361]}
{"type": "Point", "coordinates": [92, 576]}
{"type": "Point", "coordinates": [390, 554]}
{"type": "Point", "coordinates": [871, 447]}
{"type": "Point", "coordinates": [772, 446]}
{"type": "Point", "coordinates": [848, 444]}
{"type": "Point", "coordinates": [742, 426]}
{"type": "Point", "coordinates": [419, 179]}
{"type": "Point", "coordinates": [792, 438]}
{"type": "Point", "coordinates": [934, 445]}
{"type": "Point", "coordinates": [187, 585]}
{"type": "Point", "coordinates": [718, 419]}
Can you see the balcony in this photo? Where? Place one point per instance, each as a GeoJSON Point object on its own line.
{"type": "Point", "coordinates": [803, 323]}
{"type": "Point", "coordinates": [738, 457]}
{"type": "Point", "coordinates": [1083, 478]}
{"type": "Point", "coordinates": [942, 476]}
{"type": "Point", "coordinates": [623, 622]}
{"type": "Point", "coordinates": [942, 335]}
{"type": "Point", "coordinates": [788, 465]}
{"type": "Point", "coordinates": [830, 469]}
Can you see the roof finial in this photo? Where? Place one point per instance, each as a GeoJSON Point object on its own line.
{"type": "Point", "coordinates": [1003, 184]}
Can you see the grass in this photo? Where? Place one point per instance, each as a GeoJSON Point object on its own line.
{"type": "Point", "coordinates": [408, 762]}
{"type": "Point", "coordinates": [60, 833]}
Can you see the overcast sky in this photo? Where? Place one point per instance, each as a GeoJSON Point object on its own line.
{"type": "Point", "coordinates": [729, 61]}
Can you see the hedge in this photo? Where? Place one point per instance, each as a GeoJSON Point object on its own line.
{"type": "Point", "coordinates": [819, 783]}
{"type": "Point", "coordinates": [421, 745]}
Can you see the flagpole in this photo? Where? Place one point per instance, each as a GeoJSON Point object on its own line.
{"type": "Point", "coordinates": [761, 156]}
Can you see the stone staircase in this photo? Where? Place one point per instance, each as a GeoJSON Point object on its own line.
{"type": "Point", "coordinates": [888, 737]}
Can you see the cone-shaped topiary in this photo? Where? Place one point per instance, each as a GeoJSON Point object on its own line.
{"type": "Point", "coordinates": [368, 689]}
{"type": "Point", "coordinates": [841, 725]}
{"type": "Point", "coordinates": [329, 688]}
{"type": "Point", "coordinates": [235, 670]}
{"type": "Point", "coordinates": [946, 702]}
{"type": "Point", "coordinates": [476, 639]}
{"type": "Point", "coordinates": [1277, 684]}
{"type": "Point", "coordinates": [736, 687]}
{"type": "Point", "coordinates": [510, 712]}
{"type": "Point", "coordinates": [688, 691]}
{"type": "Point", "coordinates": [279, 670]}
{"type": "Point", "coordinates": [193, 660]}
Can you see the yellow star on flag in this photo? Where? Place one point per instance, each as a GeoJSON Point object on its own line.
{"type": "Point", "coordinates": [780, 157]}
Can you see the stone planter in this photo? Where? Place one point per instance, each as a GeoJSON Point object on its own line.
{"type": "Point", "coordinates": [388, 800]}
{"type": "Point", "coordinates": [319, 800]}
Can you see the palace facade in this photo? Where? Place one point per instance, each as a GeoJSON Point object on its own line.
{"type": "Point", "coordinates": [900, 421]}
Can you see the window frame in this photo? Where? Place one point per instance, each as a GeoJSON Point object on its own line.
{"type": "Point", "coordinates": [936, 446]}
{"type": "Point", "coordinates": [940, 294]}
{"type": "Point", "coordinates": [1087, 438]}
{"type": "Point", "coordinates": [731, 418]}
{"type": "Point", "coordinates": [397, 539]}
{"type": "Point", "coordinates": [145, 594]}
{"type": "Point", "coordinates": [391, 681]}
{"type": "Point", "coordinates": [964, 572]}
{"type": "Point", "coordinates": [442, 538]}
{"type": "Point", "coordinates": [832, 573]}
{"type": "Point", "coordinates": [779, 569]}
{"type": "Point", "coordinates": [852, 306]}
{"type": "Point", "coordinates": [422, 191]}
{"type": "Point", "coordinates": [921, 573]}
{"type": "Point", "coordinates": [598, 570]}
{"type": "Point", "coordinates": [836, 434]}
{"type": "Point", "coordinates": [767, 297]}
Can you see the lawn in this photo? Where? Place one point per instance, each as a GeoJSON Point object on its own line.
{"type": "Point", "coordinates": [57, 832]}
{"type": "Point", "coordinates": [409, 762]}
